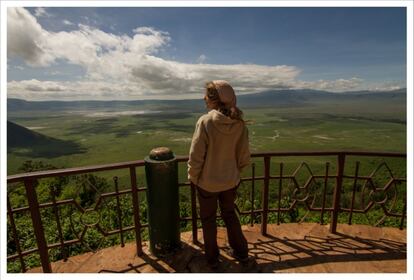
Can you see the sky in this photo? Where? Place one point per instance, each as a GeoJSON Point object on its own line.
{"type": "Point", "coordinates": [132, 53]}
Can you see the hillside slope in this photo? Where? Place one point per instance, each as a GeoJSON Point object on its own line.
{"type": "Point", "coordinates": [26, 142]}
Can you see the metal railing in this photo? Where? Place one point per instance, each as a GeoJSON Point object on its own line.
{"type": "Point", "coordinates": [34, 207]}
{"type": "Point", "coordinates": [301, 194]}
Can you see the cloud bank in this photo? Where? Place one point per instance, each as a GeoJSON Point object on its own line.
{"type": "Point", "coordinates": [127, 67]}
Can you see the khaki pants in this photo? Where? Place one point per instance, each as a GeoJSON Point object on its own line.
{"type": "Point", "coordinates": [208, 210]}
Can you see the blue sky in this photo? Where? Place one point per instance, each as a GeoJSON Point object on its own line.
{"type": "Point", "coordinates": [90, 53]}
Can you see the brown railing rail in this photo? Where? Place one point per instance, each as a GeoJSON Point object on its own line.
{"type": "Point", "coordinates": [301, 194]}
{"type": "Point", "coordinates": [34, 207]}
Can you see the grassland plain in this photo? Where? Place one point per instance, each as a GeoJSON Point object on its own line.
{"type": "Point", "coordinates": [107, 139]}
{"type": "Point", "coordinates": [113, 136]}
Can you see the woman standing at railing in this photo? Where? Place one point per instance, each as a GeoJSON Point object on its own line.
{"type": "Point", "coordinates": [219, 150]}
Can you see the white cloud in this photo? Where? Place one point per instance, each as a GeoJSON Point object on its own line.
{"type": "Point", "coordinates": [37, 86]}
{"type": "Point", "coordinates": [201, 59]}
{"type": "Point", "coordinates": [385, 86]}
{"type": "Point", "coordinates": [54, 73]}
{"type": "Point", "coordinates": [41, 12]}
{"type": "Point", "coordinates": [67, 22]}
{"type": "Point", "coordinates": [126, 67]}
{"type": "Point", "coordinates": [70, 90]}
{"type": "Point", "coordinates": [26, 38]}
{"type": "Point", "coordinates": [332, 85]}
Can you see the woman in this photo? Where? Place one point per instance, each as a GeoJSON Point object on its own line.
{"type": "Point", "coordinates": [219, 150]}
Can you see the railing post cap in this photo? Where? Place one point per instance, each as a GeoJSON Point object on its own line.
{"type": "Point", "coordinates": [161, 154]}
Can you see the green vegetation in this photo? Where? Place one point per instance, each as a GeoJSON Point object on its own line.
{"type": "Point", "coordinates": [124, 138]}
{"type": "Point", "coordinates": [85, 138]}
{"type": "Point", "coordinates": [86, 189]}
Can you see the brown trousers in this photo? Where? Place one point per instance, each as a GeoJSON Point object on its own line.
{"type": "Point", "coordinates": [208, 210]}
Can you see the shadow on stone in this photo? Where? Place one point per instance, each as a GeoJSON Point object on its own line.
{"type": "Point", "coordinates": [275, 253]}
{"type": "Point", "coordinates": [304, 248]}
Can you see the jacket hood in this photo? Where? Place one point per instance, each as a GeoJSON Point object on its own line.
{"type": "Point", "coordinates": [223, 123]}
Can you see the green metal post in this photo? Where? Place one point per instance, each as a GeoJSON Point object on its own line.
{"type": "Point", "coordinates": [161, 170]}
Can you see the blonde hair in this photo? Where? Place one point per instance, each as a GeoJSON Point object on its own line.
{"type": "Point", "coordinates": [214, 99]}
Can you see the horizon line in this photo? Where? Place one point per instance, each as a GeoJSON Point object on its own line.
{"type": "Point", "coordinates": [185, 99]}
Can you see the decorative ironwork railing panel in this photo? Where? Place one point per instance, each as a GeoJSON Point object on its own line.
{"type": "Point", "coordinates": [74, 210]}
{"type": "Point", "coordinates": [86, 212]}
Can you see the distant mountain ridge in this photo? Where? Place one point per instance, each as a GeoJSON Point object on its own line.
{"type": "Point", "coordinates": [286, 97]}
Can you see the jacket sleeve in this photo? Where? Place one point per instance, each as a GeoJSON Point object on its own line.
{"type": "Point", "coordinates": [197, 152]}
{"type": "Point", "coordinates": [243, 151]}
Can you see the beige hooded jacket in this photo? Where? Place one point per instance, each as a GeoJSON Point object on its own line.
{"type": "Point", "coordinates": [219, 150]}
